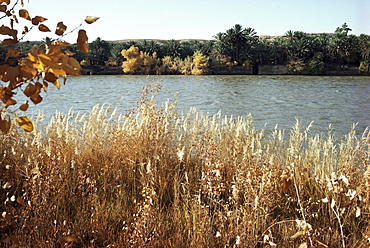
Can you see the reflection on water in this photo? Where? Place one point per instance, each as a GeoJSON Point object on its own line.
{"type": "Point", "coordinates": [340, 101]}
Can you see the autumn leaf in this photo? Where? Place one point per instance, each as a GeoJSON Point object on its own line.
{"type": "Point", "coordinates": [11, 74]}
{"type": "Point", "coordinates": [36, 98]}
{"type": "Point", "coordinates": [53, 51]}
{"type": "Point", "coordinates": [27, 72]}
{"type": "Point", "coordinates": [70, 71]}
{"type": "Point", "coordinates": [25, 30]}
{"type": "Point", "coordinates": [91, 19]}
{"type": "Point", "coordinates": [3, 8]}
{"type": "Point", "coordinates": [25, 123]}
{"type": "Point", "coordinates": [61, 28]}
{"type": "Point", "coordinates": [3, 69]}
{"type": "Point", "coordinates": [24, 14]}
{"type": "Point", "coordinates": [57, 84]}
{"type": "Point", "coordinates": [69, 53]}
{"type": "Point", "coordinates": [12, 53]}
{"type": "Point", "coordinates": [82, 41]}
{"type": "Point", "coordinates": [74, 63]}
{"type": "Point", "coordinates": [37, 19]}
{"type": "Point", "coordinates": [35, 50]}
{"type": "Point", "coordinates": [30, 89]}
{"type": "Point", "coordinates": [7, 2]}
{"type": "Point", "coordinates": [5, 125]}
{"type": "Point", "coordinates": [45, 86]}
{"type": "Point", "coordinates": [24, 106]}
{"type": "Point", "coordinates": [50, 77]}
{"type": "Point", "coordinates": [4, 30]}
{"type": "Point", "coordinates": [58, 71]}
{"type": "Point", "coordinates": [44, 28]}
{"type": "Point", "coordinates": [61, 44]}
{"type": "Point", "coordinates": [7, 42]}
{"type": "Point", "coordinates": [46, 60]}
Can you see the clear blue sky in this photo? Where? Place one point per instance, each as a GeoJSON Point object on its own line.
{"type": "Point", "coordinates": [199, 19]}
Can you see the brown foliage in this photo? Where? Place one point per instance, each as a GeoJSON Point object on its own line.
{"type": "Point", "coordinates": [24, 70]}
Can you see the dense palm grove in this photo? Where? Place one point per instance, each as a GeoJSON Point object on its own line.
{"type": "Point", "coordinates": [239, 47]}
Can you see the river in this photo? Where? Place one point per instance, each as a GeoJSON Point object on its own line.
{"type": "Point", "coordinates": [339, 101]}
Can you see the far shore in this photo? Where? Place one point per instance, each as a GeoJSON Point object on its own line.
{"type": "Point", "coordinates": [237, 70]}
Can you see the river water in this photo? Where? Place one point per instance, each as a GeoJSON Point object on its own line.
{"type": "Point", "coordinates": [339, 101]}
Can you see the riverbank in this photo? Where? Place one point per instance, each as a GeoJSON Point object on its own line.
{"type": "Point", "coordinates": [238, 70]}
{"type": "Point", "coordinates": [158, 179]}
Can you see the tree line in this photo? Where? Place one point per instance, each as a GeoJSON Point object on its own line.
{"type": "Point", "coordinates": [241, 47]}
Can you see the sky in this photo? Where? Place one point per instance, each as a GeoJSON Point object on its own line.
{"type": "Point", "coordinates": [196, 19]}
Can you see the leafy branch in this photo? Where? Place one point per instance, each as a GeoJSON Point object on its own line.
{"type": "Point", "coordinates": [36, 68]}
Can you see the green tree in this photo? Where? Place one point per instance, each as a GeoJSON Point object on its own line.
{"type": "Point", "coordinates": [221, 48]}
{"type": "Point", "coordinates": [207, 47]}
{"type": "Point", "coordinates": [262, 51]}
{"type": "Point", "coordinates": [149, 47]}
{"type": "Point", "coordinates": [99, 52]}
{"type": "Point", "coordinates": [172, 48]}
{"type": "Point", "coordinates": [342, 45]}
{"type": "Point", "coordinates": [321, 44]}
{"type": "Point", "coordinates": [364, 46]}
{"type": "Point", "coordinates": [236, 38]}
{"type": "Point", "coordinates": [187, 49]}
{"type": "Point", "coordinates": [316, 65]}
{"type": "Point", "coordinates": [115, 52]}
{"type": "Point", "coordinates": [279, 50]}
{"type": "Point", "coordinates": [236, 43]}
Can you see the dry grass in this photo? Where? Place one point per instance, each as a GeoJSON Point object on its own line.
{"type": "Point", "coordinates": [155, 178]}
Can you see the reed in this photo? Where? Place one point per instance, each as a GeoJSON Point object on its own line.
{"type": "Point", "coordinates": [153, 177]}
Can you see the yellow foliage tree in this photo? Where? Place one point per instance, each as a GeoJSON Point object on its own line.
{"type": "Point", "coordinates": [31, 71]}
{"type": "Point", "coordinates": [200, 64]}
{"type": "Point", "coordinates": [137, 62]}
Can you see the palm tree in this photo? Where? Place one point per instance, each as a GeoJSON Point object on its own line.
{"type": "Point", "coordinates": [302, 48]}
{"type": "Point", "coordinates": [115, 53]}
{"type": "Point", "coordinates": [262, 51]}
{"type": "Point", "coordinates": [99, 51]}
{"type": "Point", "coordinates": [341, 45]}
{"type": "Point", "coordinates": [207, 47]}
{"type": "Point", "coordinates": [364, 46]}
{"type": "Point", "coordinates": [221, 48]}
{"type": "Point", "coordinates": [279, 50]}
{"type": "Point", "coordinates": [149, 47]}
{"type": "Point", "coordinates": [291, 38]}
{"type": "Point", "coordinates": [172, 48]}
{"type": "Point", "coordinates": [236, 39]}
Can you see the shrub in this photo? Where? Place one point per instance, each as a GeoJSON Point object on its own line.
{"type": "Point", "coordinates": [364, 67]}
{"type": "Point", "coordinates": [316, 65]}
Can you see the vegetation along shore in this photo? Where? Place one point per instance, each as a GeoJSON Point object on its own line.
{"type": "Point", "coordinates": [238, 50]}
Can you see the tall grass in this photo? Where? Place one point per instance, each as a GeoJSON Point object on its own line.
{"type": "Point", "coordinates": [155, 178]}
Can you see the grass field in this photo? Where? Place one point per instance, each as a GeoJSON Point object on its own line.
{"type": "Point", "coordinates": [153, 177]}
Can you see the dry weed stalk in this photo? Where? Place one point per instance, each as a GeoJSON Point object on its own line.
{"type": "Point", "coordinates": [153, 177]}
